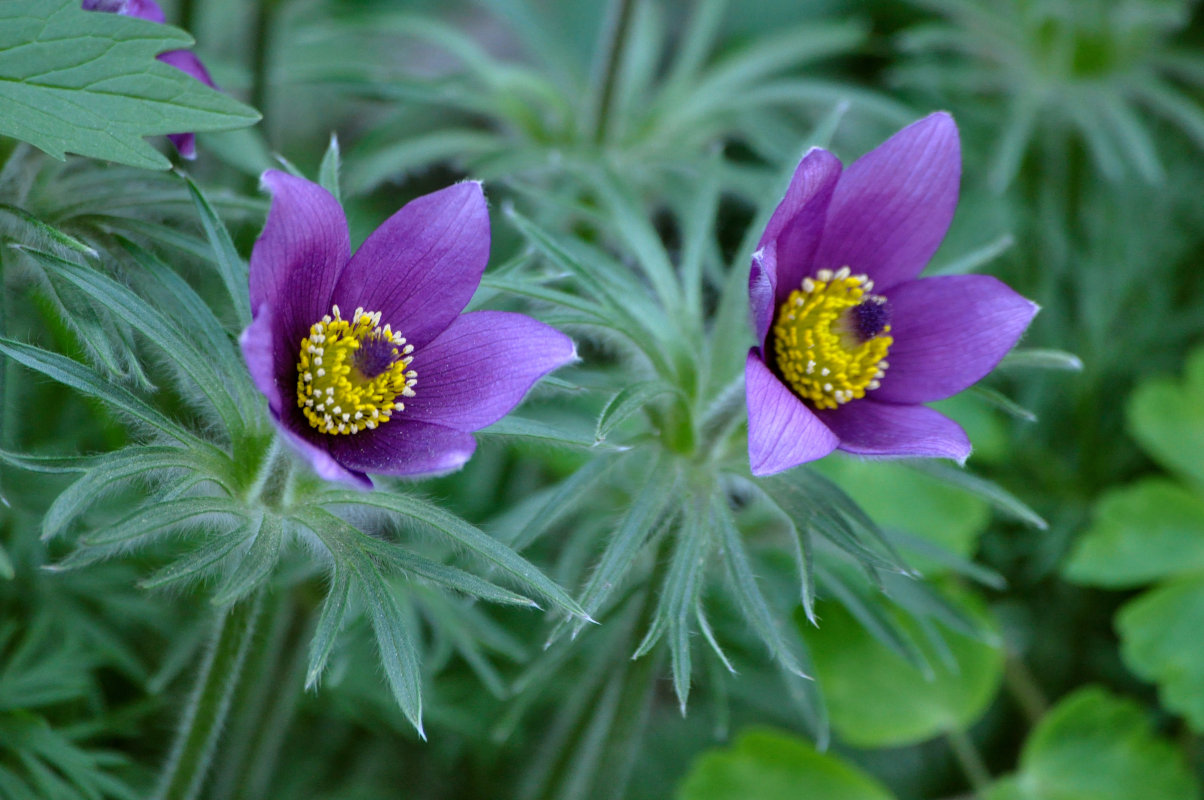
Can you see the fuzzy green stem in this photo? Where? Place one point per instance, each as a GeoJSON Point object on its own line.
{"type": "Point", "coordinates": [970, 760]}
{"type": "Point", "coordinates": [184, 773]}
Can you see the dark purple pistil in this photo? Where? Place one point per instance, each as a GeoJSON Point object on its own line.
{"type": "Point", "coordinates": [869, 318]}
{"type": "Point", "coordinates": [375, 355]}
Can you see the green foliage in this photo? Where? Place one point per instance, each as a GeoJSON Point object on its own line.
{"type": "Point", "coordinates": [1099, 746]}
{"type": "Point", "coordinates": [88, 83]}
{"type": "Point", "coordinates": [771, 765]}
{"type": "Point", "coordinates": [1153, 531]}
{"type": "Point", "coordinates": [878, 698]}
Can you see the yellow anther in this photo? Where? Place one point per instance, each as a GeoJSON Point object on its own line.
{"type": "Point", "coordinates": [352, 373]}
{"type": "Point", "coordinates": [823, 348]}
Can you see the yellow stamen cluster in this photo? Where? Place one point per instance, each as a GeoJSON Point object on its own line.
{"type": "Point", "coordinates": [817, 348]}
{"type": "Point", "coordinates": [335, 396]}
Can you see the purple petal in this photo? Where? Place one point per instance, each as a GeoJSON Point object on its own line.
{"type": "Point", "coordinates": [297, 259]}
{"type": "Point", "coordinates": [185, 144]}
{"type": "Point", "coordinates": [186, 61]}
{"type": "Point", "coordinates": [949, 332]}
{"type": "Point", "coordinates": [782, 431]}
{"type": "Point", "coordinates": [421, 267]}
{"type": "Point", "coordinates": [322, 462]}
{"type": "Point", "coordinates": [893, 205]}
{"type": "Point", "coordinates": [143, 9]}
{"type": "Point", "coordinates": [404, 447]}
{"type": "Point", "coordinates": [787, 248]}
{"type": "Point", "coordinates": [478, 369]}
{"type": "Point", "coordinates": [882, 430]}
{"type": "Point", "coordinates": [258, 350]}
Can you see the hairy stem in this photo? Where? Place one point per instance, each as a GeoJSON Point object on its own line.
{"type": "Point", "coordinates": [1024, 689]}
{"type": "Point", "coordinates": [184, 772]}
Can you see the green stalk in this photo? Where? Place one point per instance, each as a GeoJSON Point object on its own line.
{"type": "Point", "coordinates": [184, 773]}
{"type": "Point", "coordinates": [970, 760]}
{"type": "Point", "coordinates": [616, 37]}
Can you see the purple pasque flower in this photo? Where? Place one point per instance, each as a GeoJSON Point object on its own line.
{"type": "Point", "coordinates": [367, 362]}
{"type": "Point", "coordinates": [183, 60]}
{"type": "Point", "coordinates": [850, 341]}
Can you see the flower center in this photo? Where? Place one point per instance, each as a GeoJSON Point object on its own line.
{"type": "Point", "coordinates": [351, 372]}
{"type": "Point", "coordinates": [830, 339]}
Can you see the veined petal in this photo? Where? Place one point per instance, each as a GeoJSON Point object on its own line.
{"type": "Point", "coordinates": [787, 248]}
{"type": "Point", "coordinates": [893, 205]}
{"type": "Point", "coordinates": [949, 332]}
{"type": "Point", "coordinates": [404, 447]}
{"type": "Point", "coordinates": [884, 430]}
{"type": "Point", "coordinates": [478, 369]}
{"type": "Point", "coordinates": [297, 258]}
{"type": "Point", "coordinates": [782, 431]}
{"type": "Point", "coordinates": [422, 265]}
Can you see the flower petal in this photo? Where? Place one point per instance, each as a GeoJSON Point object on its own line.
{"type": "Point", "coordinates": [893, 205]}
{"type": "Point", "coordinates": [883, 430]}
{"type": "Point", "coordinates": [949, 332]}
{"type": "Point", "coordinates": [297, 258]}
{"type": "Point", "coordinates": [404, 447]}
{"type": "Point", "coordinates": [258, 350]}
{"type": "Point", "coordinates": [782, 431]}
{"type": "Point", "coordinates": [422, 265]}
{"type": "Point", "coordinates": [478, 369]}
{"type": "Point", "coordinates": [186, 61]}
{"type": "Point", "coordinates": [323, 463]}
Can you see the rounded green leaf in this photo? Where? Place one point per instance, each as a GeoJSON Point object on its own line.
{"type": "Point", "coordinates": [1096, 746]}
{"type": "Point", "coordinates": [1167, 417]}
{"type": "Point", "coordinates": [1143, 532]}
{"type": "Point", "coordinates": [1160, 641]}
{"type": "Point", "coordinates": [764, 764]}
{"type": "Point", "coordinates": [876, 698]}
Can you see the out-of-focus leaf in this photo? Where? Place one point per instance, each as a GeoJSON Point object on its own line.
{"type": "Point", "coordinates": [878, 699]}
{"type": "Point", "coordinates": [765, 764]}
{"type": "Point", "coordinates": [1141, 533]}
{"type": "Point", "coordinates": [1160, 641]}
{"type": "Point", "coordinates": [88, 83]}
{"type": "Point", "coordinates": [1167, 417]}
{"type": "Point", "coordinates": [1096, 746]}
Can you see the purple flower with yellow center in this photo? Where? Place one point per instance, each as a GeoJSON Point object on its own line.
{"type": "Point", "coordinates": [367, 362]}
{"type": "Point", "coordinates": [183, 60]}
{"type": "Point", "coordinates": [850, 341]}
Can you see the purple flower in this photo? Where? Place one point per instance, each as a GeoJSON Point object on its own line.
{"type": "Point", "coordinates": [182, 60]}
{"type": "Point", "coordinates": [366, 361]}
{"type": "Point", "coordinates": [850, 342]}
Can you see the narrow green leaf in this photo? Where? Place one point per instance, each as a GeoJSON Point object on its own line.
{"type": "Point", "coordinates": [84, 82]}
{"type": "Point", "coordinates": [1004, 403]}
{"type": "Point", "coordinates": [136, 312]}
{"type": "Point", "coordinates": [1041, 358]}
{"type": "Point", "coordinates": [49, 231]}
{"type": "Point", "coordinates": [626, 402]}
{"type": "Point", "coordinates": [330, 622]}
{"type": "Point", "coordinates": [116, 467]}
{"type": "Point", "coordinates": [256, 565]}
{"type": "Point", "coordinates": [230, 266]}
{"type": "Point", "coordinates": [197, 564]}
{"type": "Point", "coordinates": [446, 576]}
{"type": "Point", "coordinates": [328, 170]}
{"type": "Point", "coordinates": [469, 536]}
{"type": "Point", "coordinates": [748, 596]}
{"type": "Point", "coordinates": [397, 653]}
{"type": "Point", "coordinates": [77, 376]}
{"type": "Point", "coordinates": [562, 435]}
{"type": "Point", "coordinates": [994, 494]}
{"type": "Point", "coordinates": [157, 518]}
